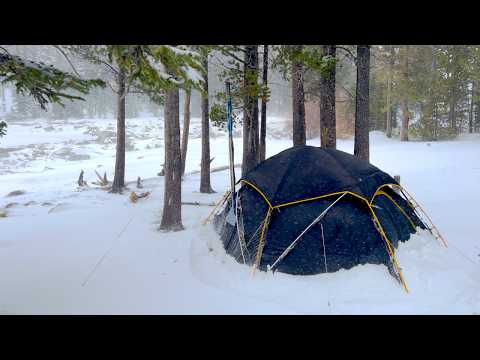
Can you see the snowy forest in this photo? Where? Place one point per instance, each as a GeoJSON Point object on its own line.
{"type": "Point", "coordinates": [239, 179]}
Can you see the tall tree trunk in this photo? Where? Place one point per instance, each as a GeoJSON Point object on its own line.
{"type": "Point", "coordinates": [298, 99]}
{"type": "Point", "coordinates": [205, 186]}
{"type": "Point", "coordinates": [4, 102]}
{"type": "Point", "coordinates": [389, 91]}
{"type": "Point", "coordinates": [404, 101]}
{"type": "Point", "coordinates": [119, 177]}
{"type": "Point", "coordinates": [432, 95]}
{"type": "Point", "coordinates": [186, 128]}
{"type": "Point", "coordinates": [394, 115]}
{"type": "Point", "coordinates": [263, 121]}
{"type": "Point", "coordinates": [470, 113]}
{"type": "Point", "coordinates": [328, 136]}
{"type": "Point", "coordinates": [172, 199]}
{"type": "Point", "coordinates": [451, 111]}
{"type": "Point", "coordinates": [250, 110]}
{"type": "Point", "coordinates": [476, 127]}
{"type": "Point", "coordinates": [361, 146]}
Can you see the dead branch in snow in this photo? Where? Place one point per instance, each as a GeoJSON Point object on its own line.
{"type": "Point", "coordinates": [102, 181]}
{"type": "Point", "coordinates": [134, 196]}
{"type": "Point", "coordinates": [80, 180]}
{"type": "Point", "coordinates": [197, 203]}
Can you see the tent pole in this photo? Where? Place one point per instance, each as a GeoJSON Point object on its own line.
{"type": "Point", "coordinates": [294, 242]}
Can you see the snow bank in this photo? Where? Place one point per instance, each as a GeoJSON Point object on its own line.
{"type": "Point", "coordinates": [54, 237]}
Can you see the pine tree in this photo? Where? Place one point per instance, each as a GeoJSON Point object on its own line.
{"type": "Point", "coordinates": [298, 97]}
{"type": "Point", "coordinates": [361, 144]}
{"type": "Point", "coordinates": [327, 101]}
{"type": "Point", "coordinates": [186, 128]}
{"type": "Point", "coordinates": [263, 117]}
{"type": "Point", "coordinates": [172, 208]}
{"type": "Point", "coordinates": [250, 109]}
{"type": "Point", "coordinates": [205, 186]}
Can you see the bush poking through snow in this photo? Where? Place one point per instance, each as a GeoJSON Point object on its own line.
{"type": "Point", "coordinates": [16, 193]}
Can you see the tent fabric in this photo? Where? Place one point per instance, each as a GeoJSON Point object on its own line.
{"type": "Point", "coordinates": [348, 229]}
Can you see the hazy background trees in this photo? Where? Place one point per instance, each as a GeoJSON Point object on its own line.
{"type": "Point", "coordinates": [431, 88]}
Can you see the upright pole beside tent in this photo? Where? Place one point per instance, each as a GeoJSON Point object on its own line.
{"type": "Point", "coordinates": [231, 165]}
{"type": "Point", "coordinates": [230, 141]}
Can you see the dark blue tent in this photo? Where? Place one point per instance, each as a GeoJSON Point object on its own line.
{"type": "Point", "coordinates": [309, 210]}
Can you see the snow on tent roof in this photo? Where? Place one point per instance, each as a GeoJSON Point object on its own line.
{"type": "Point", "coordinates": [303, 172]}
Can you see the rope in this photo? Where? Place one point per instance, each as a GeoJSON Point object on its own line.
{"type": "Point", "coordinates": [324, 251]}
{"type": "Point", "coordinates": [259, 191]}
{"type": "Point", "coordinates": [240, 233]}
{"type": "Point", "coordinates": [294, 242]}
{"type": "Point", "coordinates": [399, 208]}
{"type": "Point", "coordinates": [326, 270]}
{"type": "Point", "coordinates": [106, 253]}
{"type": "Point", "coordinates": [261, 243]}
{"type": "Point", "coordinates": [220, 203]}
{"type": "Point", "coordinates": [437, 234]}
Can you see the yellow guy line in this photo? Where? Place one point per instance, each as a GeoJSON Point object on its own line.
{"type": "Point", "coordinates": [220, 203]}
{"type": "Point", "coordinates": [399, 208]}
{"type": "Point", "coordinates": [380, 229]}
{"type": "Point", "coordinates": [259, 191]}
{"type": "Point", "coordinates": [439, 236]}
{"type": "Point", "coordinates": [410, 199]}
{"type": "Point", "coordinates": [261, 243]}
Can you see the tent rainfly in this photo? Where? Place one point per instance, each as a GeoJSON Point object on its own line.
{"type": "Point", "coordinates": [310, 210]}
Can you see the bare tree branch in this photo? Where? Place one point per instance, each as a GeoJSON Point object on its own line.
{"type": "Point", "coordinates": [349, 52]}
{"type": "Point", "coordinates": [66, 57]}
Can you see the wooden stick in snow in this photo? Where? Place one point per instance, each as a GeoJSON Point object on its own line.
{"type": "Point", "coordinates": [197, 203]}
{"type": "Point", "coordinates": [102, 181]}
{"type": "Point", "coordinates": [80, 181]}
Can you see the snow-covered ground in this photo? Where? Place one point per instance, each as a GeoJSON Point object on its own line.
{"type": "Point", "coordinates": [64, 251]}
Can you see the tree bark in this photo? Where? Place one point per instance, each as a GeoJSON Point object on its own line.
{"type": "Point", "coordinates": [389, 91]}
{"type": "Point", "coordinates": [433, 99]}
{"type": "Point", "coordinates": [4, 102]}
{"type": "Point", "coordinates": [186, 128]}
{"type": "Point", "coordinates": [172, 201]}
{"type": "Point", "coordinates": [119, 176]}
{"type": "Point", "coordinates": [451, 111]}
{"type": "Point", "coordinates": [328, 137]}
{"type": "Point", "coordinates": [263, 121]}
{"type": "Point", "coordinates": [476, 121]}
{"type": "Point", "coordinates": [470, 113]}
{"type": "Point", "coordinates": [298, 100]}
{"type": "Point", "coordinates": [404, 101]}
{"type": "Point", "coordinates": [250, 110]}
{"type": "Point", "coordinates": [362, 127]}
{"type": "Point", "coordinates": [205, 186]}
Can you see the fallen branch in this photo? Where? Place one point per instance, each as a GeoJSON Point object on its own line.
{"type": "Point", "coordinates": [102, 181]}
{"type": "Point", "coordinates": [197, 203]}
{"type": "Point", "coordinates": [134, 196]}
{"type": "Point", "coordinates": [219, 168]}
{"type": "Point", "coordinates": [80, 180]}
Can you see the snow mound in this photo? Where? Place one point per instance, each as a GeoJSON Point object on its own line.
{"type": "Point", "coordinates": [437, 277]}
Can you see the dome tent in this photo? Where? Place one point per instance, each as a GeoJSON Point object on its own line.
{"type": "Point", "coordinates": [310, 210]}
